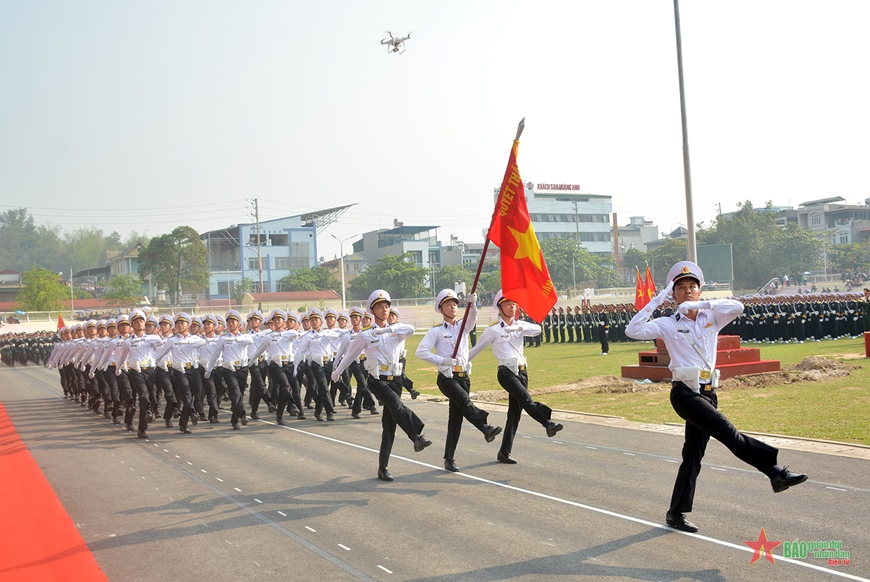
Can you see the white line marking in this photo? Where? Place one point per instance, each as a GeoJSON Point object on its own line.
{"type": "Point", "coordinates": [629, 454]}
{"type": "Point", "coordinates": [671, 461]}
{"type": "Point", "coordinates": [177, 457]}
{"type": "Point", "coordinates": [257, 500]}
{"type": "Point", "coordinates": [718, 469]}
{"type": "Point", "coordinates": [343, 547]}
{"type": "Point", "coordinates": [203, 470]}
{"type": "Point", "coordinates": [310, 529]}
{"type": "Point", "coordinates": [219, 479]}
{"type": "Point", "coordinates": [237, 489]}
{"type": "Point", "coordinates": [384, 569]}
{"type": "Point", "coordinates": [557, 442]}
{"type": "Point", "coordinates": [228, 542]}
{"type": "Point", "coordinates": [165, 450]}
{"type": "Point", "coordinates": [189, 463]}
{"type": "Point", "coordinates": [835, 488]}
{"type": "Point", "coordinates": [526, 437]}
{"type": "Point", "coordinates": [593, 448]}
{"type": "Point", "coordinates": [282, 513]}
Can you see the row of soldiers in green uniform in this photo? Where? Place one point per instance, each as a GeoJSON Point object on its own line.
{"type": "Point", "coordinates": [803, 317]}
{"type": "Point", "coordinates": [587, 324]}
{"type": "Point", "coordinates": [21, 348]}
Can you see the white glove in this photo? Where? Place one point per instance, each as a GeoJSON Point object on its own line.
{"type": "Point", "coordinates": [449, 362]}
{"type": "Point", "coordinates": [687, 306]}
{"type": "Point", "coordinates": [335, 376]}
{"type": "Point", "coordinates": [118, 370]}
{"type": "Point", "coordinates": [207, 375]}
{"type": "Point", "coordinates": [471, 298]}
{"type": "Point", "coordinates": [91, 374]}
{"type": "Point", "coordinates": [663, 296]}
{"type": "Point", "coordinates": [382, 330]}
{"type": "Point", "coordinates": [512, 328]}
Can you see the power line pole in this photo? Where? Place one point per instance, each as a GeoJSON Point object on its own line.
{"type": "Point", "coordinates": [259, 245]}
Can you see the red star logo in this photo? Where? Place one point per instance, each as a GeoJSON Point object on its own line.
{"type": "Point", "coordinates": [762, 546]}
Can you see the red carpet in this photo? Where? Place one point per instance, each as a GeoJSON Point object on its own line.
{"type": "Point", "coordinates": [38, 540]}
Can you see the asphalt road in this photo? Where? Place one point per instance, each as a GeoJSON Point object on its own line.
{"type": "Point", "coordinates": [302, 502]}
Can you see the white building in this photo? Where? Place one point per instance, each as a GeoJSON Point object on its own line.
{"type": "Point", "coordinates": [840, 223]}
{"type": "Point", "coordinates": [562, 211]}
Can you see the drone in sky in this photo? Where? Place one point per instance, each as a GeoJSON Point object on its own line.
{"type": "Point", "coordinates": [395, 44]}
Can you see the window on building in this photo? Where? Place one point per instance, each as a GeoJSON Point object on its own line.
{"type": "Point", "coordinates": [416, 257]}
{"type": "Point", "coordinates": [300, 255]}
{"type": "Point", "coordinates": [280, 286]}
{"type": "Point", "coordinates": [278, 240]}
{"type": "Point", "coordinates": [815, 219]}
{"type": "Point", "coordinates": [282, 262]}
{"type": "Point", "coordinates": [844, 238]}
{"type": "Point", "coordinates": [223, 286]}
{"type": "Point", "coordinates": [255, 288]}
{"type": "Point", "coordinates": [254, 264]}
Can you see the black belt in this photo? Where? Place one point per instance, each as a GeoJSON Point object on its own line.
{"type": "Point", "coordinates": [704, 387]}
{"type": "Point", "coordinates": [519, 368]}
{"type": "Point", "coordinates": [388, 378]}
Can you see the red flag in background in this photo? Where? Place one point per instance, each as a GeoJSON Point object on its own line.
{"type": "Point", "coordinates": [60, 323]}
{"type": "Point", "coordinates": [650, 286]}
{"type": "Point", "coordinates": [524, 275]}
{"type": "Point", "coordinates": [640, 299]}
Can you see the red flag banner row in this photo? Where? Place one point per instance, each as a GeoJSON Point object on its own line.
{"type": "Point", "coordinates": [644, 290]}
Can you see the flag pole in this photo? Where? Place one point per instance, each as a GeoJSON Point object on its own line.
{"type": "Point", "coordinates": [520, 127]}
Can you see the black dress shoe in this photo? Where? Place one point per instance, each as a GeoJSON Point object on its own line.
{"type": "Point", "coordinates": [414, 394]}
{"type": "Point", "coordinates": [300, 416]}
{"type": "Point", "coordinates": [451, 465]}
{"type": "Point", "coordinates": [375, 410]}
{"type": "Point", "coordinates": [236, 426]}
{"type": "Point", "coordinates": [319, 417]}
{"type": "Point", "coordinates": [330, 417]}
{"type": "Point", "coordinates": [421, 443]}
{"type": "Point", "coordinates": [280, 422]}
{"type": "Point", "coordinates": [193, 420]}
{"type": "Point", "coordinates": [244, 421]}
{"type": "Point", "coordinates": [128, 427]}
{"type": "Point", "coordinates": [553, 428]}
{"type": "Point", "coordinates": [490, 432]}
{"type": "Point", "coordinates": [384, 475]}
{"type": "Point", "coordinates": [679, 521]}
{"type": "Point", "coordinates": [185, 430]}
{"type": "Point", "coordinates": [786, 479]}
{"type": "Point", "coordinates": [214, 420]}
{"type": "Point", "coordinates": [115, 420]}
{"type": "Point", "coordinates": [255, 416]}
{"type": "Point", "coordinates": [506, 458]}
{"type": "Point", "coordinates": [355, 415]}
{"type": "Point", "coordinates": [271, 409]}
{"type": "Point", "coordinates": [168, 424]}
{"type": "Point", "coordinates": [142, 434]}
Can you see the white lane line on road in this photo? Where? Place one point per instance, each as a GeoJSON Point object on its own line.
{"type": "Point", "coordinates": [219, 479]}
{"type": "Point", "coordinates": [282, 513]}
{"type": "Point", "coordinates": [835, 488]}
{"type": "Point", "coordinates": [165, 450]}
{"type": "Point", "coordinates": [343, 547]}
{"type": "Point", "coordinates": [593, 448]}
{"type": "Point", "coordinates": [257, 500]}
{"type": "Point", "coordinates": [189, 463]}
{"type": "Point", "coordinates": [177, 457]}
{"type": "Point", "coordinates": [671, 461]}
{"type": "Point", "coordinates": [203, 470]}
{"type": "Point", "coordinates": [310, 529]}
{"type": "Point", "coordinates": [582, 506]}
{"type": "Point", "coordinates": [718, 469]}
{"type": "Point", "coordinates": [237, 489]}
{"type": "Point", "coordinates": [384, 569]}
{"type": "Point", "coordinates": [629, 454]}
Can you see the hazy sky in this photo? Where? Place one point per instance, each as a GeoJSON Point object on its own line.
{"type": "Point", "coordinates": [143, 115]}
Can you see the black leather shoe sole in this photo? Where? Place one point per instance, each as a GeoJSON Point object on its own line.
{"type": "Point", "coordinates": [785, 480]}
{"type": "Point", "coordinates": [450, 465]}
{"type": "Point", "coordinates": [491, 432]}
{"type": "Point", "coordinates": [507, 459]}
{"type": "Point", "coordinates": [553, 428]}
{"type": "Point", "coordinates": [421, 443]}
{"type": "Point", "coordinates": [384, 475]}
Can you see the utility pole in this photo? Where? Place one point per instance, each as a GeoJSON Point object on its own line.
{"type": "Point", "coordinates": [259, 255]}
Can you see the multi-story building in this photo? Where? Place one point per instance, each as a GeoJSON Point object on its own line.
{"type": "Point", "coordinates": [636, 234]}
{"type": "Point", "coordinates": [420, 242]}
{"type": "Point", "coordinates": [285, 245]}
{"type": "Point", "coordinates": [562, 211]}
{"type": "Point", "coordinates": [840, 223]}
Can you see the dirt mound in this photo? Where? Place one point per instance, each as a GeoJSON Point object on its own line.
{"type": "Point", "coordinates": [811, 369]}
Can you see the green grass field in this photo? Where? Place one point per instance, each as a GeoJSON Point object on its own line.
{"type": "Point", "coordinates": [833, 410]}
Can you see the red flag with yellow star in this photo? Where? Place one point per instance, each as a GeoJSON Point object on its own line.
{"type": "Point", "coordinates": [640, 298]}
{"type": "Point", "coordinates": [650, 286]}
{"type": "Point", "coordinates": [524, 275]}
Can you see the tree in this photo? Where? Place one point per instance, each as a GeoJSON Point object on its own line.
{"type": "Point", "coordinates": [447, 277]}
{"type": "Point", "coordinates": [313, 279]}
{"type": "Point", "coordinates": [42, 291]}
{"type": "Point", "coordinates": [398, 275]}
{"type": "Point", "coordinates": [795, 250]}
{"type": "Point", "coordinates": [241, 288]}
{"type": "Point", "coordinates": [662, 258]}
{"type": "Point", "coordinates": [635, 259]}
{"type": "Point", "coordinates": [123, 291]}
{"type": "Point", "coordinates": [568, 262]}
{"type": "Point", "coordinates": [176, 261]}
{"type": "Point", "coordinates": [853, 258]}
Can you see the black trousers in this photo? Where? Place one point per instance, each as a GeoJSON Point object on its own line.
{"type": "Point", "coordinates": [114, 392]}
{"type": "Point", "coordinates": [258, 388]}
{"type": "Point", "coordinates": [236, 382]}
{"type": "Point", "coordinates": [517, 386]}
{"type": "Point", "coordinates": [605, 341]}
{"type": "Point", "coordinates": [703, 420]}
{"type": "Point", "coordinates": [186, 381]}
{"type": "Point", "coordinates": [279, 378]}
{"type": "Point", "coordinates": [457, 390]}
{"type": "Point", "coordinates": [207, 392]}
{"type": "Point", "coordinates": [389, 393]}
{"type": "Point", "coordinates": [363, 396]}
{"type": "Point", "coordinates": [320, 384]}
{"type": "Point", "coordinates": [142, 383]}
{"type": "Point", "coordinates": [163, 380]}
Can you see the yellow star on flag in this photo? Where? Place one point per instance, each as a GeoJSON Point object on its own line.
{"type": "Point", "coordinates": [527, 245]}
